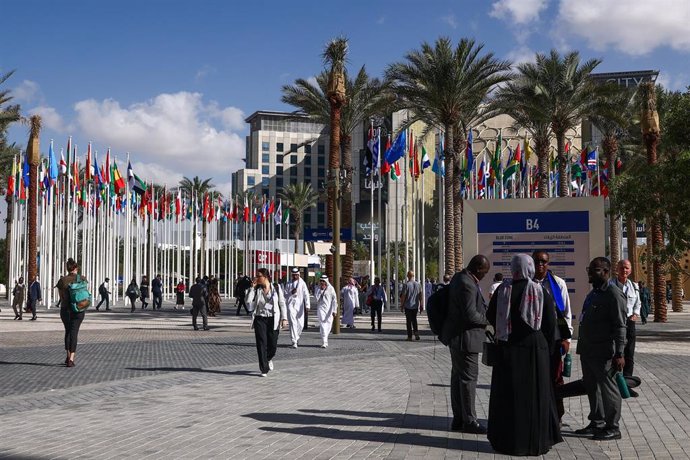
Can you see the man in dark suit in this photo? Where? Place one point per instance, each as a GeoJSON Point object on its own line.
{"type": "Point", "coordinates": [464, 330]}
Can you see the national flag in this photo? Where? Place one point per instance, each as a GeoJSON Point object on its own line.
{"type": "Point", "coordinates": [205, 211]}
{"type": "Point", "coordinates": [469, 155]}
{"type": "Point", "coordinates": [245, 212]}
{"type": "Point", "coordinates": [286, 216]}
{"type": "Point", "coordinates": [10, 179]}
{"type": "Point", "coordinates": [592, 160]}
{"type": "Point", "coordinates": [139, 186]}
{"type": "Point", "coordinates": [496, 162]}
{"type": "Point", "coordinates": [271, 207]}
{"type": "Point", "coordinates": [88, 163]}
{"type": "Point", "coordinates": [63, 163]}
{"type": "Point", "coordinates": [513, 164]}
{"type": "Point", "coordinates": [583, 156]}
{"type": "Point", "coordinates": [439, 167]}
{"type": "Point", "coordinates": [425, 159]}
{"type": "Point", "coordinates": [118, 180]}
{"type": "Point", "coordinates": [53, 170]}
{"type": "Point", "coordinates": [75, 175]}
{"type": "Point", "coordinates": [481, 179]}
{"type": "Point", "coordinates": [395, 171]}
{"type": "Point", "coordinates": [178, 205]}
{"type": "Point", "coordinates": [397, 150]}
{"type": "Point", "coordinates": [385, 166]}
{"type": "Point", "coordinates": [415, 163]}
{"type": "Point", "coordinates": [211, 208]}
{"type": "Point", "coordinates": [105, 172]}
{"type": "Point", "coordinates": [95, 174]}
{"type": "Point", "coordinates": [278, 216]}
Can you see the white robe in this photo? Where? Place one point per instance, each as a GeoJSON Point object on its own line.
{"type": "Point", "coordinates": [296, 304]}
{"type": "Point", "coordinates": [326, 306]}
{"type": "Point", "coordinates": [350, 296]}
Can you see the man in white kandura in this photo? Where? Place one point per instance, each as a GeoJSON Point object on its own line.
{"type": "Point", "coordinates": [297, 295]}
{"type": "Point", "coordinates": [350, 295]}
{"type": "Point", "coordinates": [326, 308]}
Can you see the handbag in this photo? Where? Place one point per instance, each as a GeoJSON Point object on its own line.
{"type": "Point", "coordinates": [490, 351]}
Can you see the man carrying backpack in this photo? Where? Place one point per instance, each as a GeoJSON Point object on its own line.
{"type": "Point", "coordinates": [464, 330]}
{"type": "Point", "coordinates": [105, 295]}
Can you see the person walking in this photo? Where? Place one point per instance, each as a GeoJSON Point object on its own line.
{"type": "Point", "coordinates": [105, 295]}
{"type": "Point", "coordinates": [241, 288]}
{"type": "Point", "coordinates": [463, 331]}
{"type": "Point", "coordinates": [71, 320]}
{"type": "Point", "coordinates": [157, 292]}
{"type": "Point", "coordinates": [18, 293]}
{"type": "Point", "coordinates": [411, 304]}
{"type": "Point", "coordinates": [633, 307]}
{"type": "Point", "coordinates": [268, 315]}
{"type": "Point", "coordinates": [326, 308]}
{"type": "Point", "coordinates": [144, 290]}
{"type": "Point", "coordinates": [198, 295]}
{"type": "Point", "coordinates": [350, 295]}
{"type": "Point", "coordinates": [378, 299]}
{"type": "Point", "coordinates": [600, 344]}
{"type": "Point", "coordinates": [297, 302]}
{"type": "Point", "coordinates": [133, 293]}
{"type": "Point", "coordinates": [556, 288]}
{"type": "Point", "coordinates": [645, 301]}
{"type": "Point", "coordinates": [34, 297]}
{"type": "Point", "coordinates": [522, 412]}
{"type": "Point", "coordinates": [179, 293]}
{"type": "Point", "coordinates": [213, 297]}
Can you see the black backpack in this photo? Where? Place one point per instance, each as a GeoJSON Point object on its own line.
{"type": "Point", "coordinates": [437, 309]}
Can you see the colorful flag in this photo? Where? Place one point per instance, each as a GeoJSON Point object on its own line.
{"type": "Point", "coordinates": [385, 166]}
{"type": "Point", "coordinates": [118, 180]}
{"type": "Point", "coordinates": [425, 159]}
{"type": "Point", "coordinates": [246, 210]}
{"type": "Point", "coordinates": [63, 163]}
{"type": "Point", "coordinates": [278, 216]}
{"type": "Point", "coordinates": [469, 155]}
{"type": "Point", "coordinates": [10, 179]}
{"type": "Point", "coordinates": [397, 150]}
{"type": "Point", "coordinates": [105, 172]}
{"type": "Point", "coordinates": [592, 160]}
{"type": "Point", "coordinates": [286, 216]}
{"type": "Point", "coordinates": [513, 164]}
{"type": "Point", "coordinates": [88, 163]}
{"type": "Point", "coordinates": [53, 170]}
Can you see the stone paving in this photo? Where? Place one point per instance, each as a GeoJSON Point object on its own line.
{"type": "Point", "coordinates": [147, 386]}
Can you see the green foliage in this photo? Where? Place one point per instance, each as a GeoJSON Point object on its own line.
{"type": "Point", "coordinates": [674, 117]}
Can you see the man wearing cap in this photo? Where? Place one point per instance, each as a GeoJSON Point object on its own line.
{"type": "Point", "coordinates": [326, 308]}
{"type": "Point", "coordinates": [297, 302]}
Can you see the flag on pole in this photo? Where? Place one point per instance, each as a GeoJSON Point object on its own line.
{"type": "Point", "coordinates": [118, 180]}
{"type": "Point", "coordinates": [245, 212]}
{"type": "Point", "coordinates": [397, 150]}
{"type": "Point", "coordinates": [286, 216]}
{"type": "Point", "coordinates": [513, 165]}
{"type": "Point", "coordinates": [395, 171]}
{"type": "Point", "coordinates": [592, 160]}
{"type": "Point", "coordinates": [278, 216]}
{"type": "Point", "coordinates": [105, 173]}
{"type": "Point", "coordinates": [385, 166]}
{"type": "Point", "coordinates": [88, 163]}
{"type": "Point", "coordinates": [425, 159]}
{"type": "Point", "coordinates": [63, 163]}
{"type": "Point", "coordinates": [10, 179]}
{"type": "Point", "coordinates": [53, 170]}
{"type": "Point", "coordinates": [469, 154]}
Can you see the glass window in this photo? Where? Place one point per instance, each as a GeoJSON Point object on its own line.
{"type": "Point", "coordinates": [307, 218]}
{"type": "Point", "coordinates": [293, 147]}
{"type": "Point", "coordinates": [321, 161]}
{"type": "Point", "coordinates": [307, 148]}
{"type": "Point", "coordinates": [265, 146]}
{"type": "Point", "coordinates": [293, 159]}
{"type": "Point", "coordinates": [279, 170]}
{"type": "Point", "coordinates": [264, 169]}
{"type": "Point", "coordinates": [279, 146]}
{"type": "Point", "coordinates": [322, 149]}
{"type": "Point", "coordinates": [322, 173]}
{"type": "Point", "coordinates": [307, 159]}
{"type": "Point", "coordinates": [279, 159]}
{"type": "Point", "coordinates": [293, 171]}
{"type": "Point", "coordinates": [321, 219]}
{"type": "Point", "coordinates": [293, 180]}
{"type": "Point", "coordinates": [307, 172]}
{"type": "Point", "coordinates": [265, 158]}
{"type": "Point", "coordinates": [279, 182]}
{"type": "Point", "coordinates": [265, 182]}
{"type": "Point", "coordinates": [321, 207]}
{"type": "Point", "coordinates": [251, 181]}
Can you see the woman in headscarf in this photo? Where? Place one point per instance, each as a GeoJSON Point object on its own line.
{"type": "Point", "coordinates": [350, 295]}
{"type": "Point", "coordinates": [522, 407]}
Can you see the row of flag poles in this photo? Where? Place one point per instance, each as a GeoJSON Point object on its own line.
{"type": "Point", "coordinates": [123, 229]}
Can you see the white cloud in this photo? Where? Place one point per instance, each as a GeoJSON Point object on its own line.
{"type": "Point", "coordinates": [152, 172]}
{"type": "Point", "coordinates": [521, 55]}
{"type": "Point", "coordinates": [633, 27]}
{"type": "Point", "coordinates": [677, 82]}
{"type": "Point", "coordinates": [381, 20]}
{"type": "Point", "coordinates": [518, 11]}
{"type": "Point", "coordinates": [204, 72]}
{"type": "Point", "coordinates": [450, 20]}
{"type": "Point", "coordinates": [28, 91]}
{"type": "Point", "coordinates": [178, 131]}
{"type": "Point", "coordinates": [50, 118]}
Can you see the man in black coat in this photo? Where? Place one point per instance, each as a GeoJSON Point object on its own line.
{"type": "Point", "coordinates": [464, 330]}
{"type": "Point", "coordinates": [157, 292]}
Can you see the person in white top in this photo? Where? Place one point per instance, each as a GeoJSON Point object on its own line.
{"type": "Point", "coordinates": [632, 296]}
{"type": "Point", "coordinates": [498, 279]}
{"type": "Point", "coordinates": [326, 308]}
{"type": "Point", "coordinates": [297, 299]}
{"type": "Point", "coordinates": [350, 295]}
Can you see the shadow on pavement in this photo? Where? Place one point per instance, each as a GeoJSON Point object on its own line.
{"type": "Point", "coordinates": [32, 364]}
{"type": "Point", "coordinates": [192, 369]}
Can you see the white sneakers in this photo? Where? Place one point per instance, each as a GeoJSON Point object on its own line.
{"type": "Point", "coordinates": [294, 344]}
{"type": "Point", "coordinates": [270, 365]}
{"type": "Point", "coordinates": [264, 375]}
{"type": "Point", "coordinates": [325, 345]}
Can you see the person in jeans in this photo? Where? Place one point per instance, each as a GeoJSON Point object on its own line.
{"type": "Point", "coordinates": [269, 314]}
{"type": "Point", "coordinates": [411, 304]}
{"type": "Point", "coordinates": [378, 299]}
{"type": "Point", "coordinates": [70, 320]}
{"type": "Point", "coordinates": [105, 295]}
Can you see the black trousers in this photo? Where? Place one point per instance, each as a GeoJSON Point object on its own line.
{"type": "Point", "coordinates": [71, 321]}
{"type": "Point", "coordinates": [629, 352]}
{"type": "Point", "coordinates": [106, 299]}
{"type": "Point", "coordinates": [411, 321]}
{"type": "Point", "coordinates": [157, 301]}
{"type": "Point", "coordinates": [602, 392]}
{"type": "Point", "coordinates": [196, 309]}
{"type": "Point", "coordinates": [266, 341]}
{"type": "Point", "coordinates": [463, 383]}
{"type": "Point", "coordinates": [376, 306]}
{"type": "Point", "coordinates": [241, 303]}
{"type": "Point", "coordinates": [132, 300]}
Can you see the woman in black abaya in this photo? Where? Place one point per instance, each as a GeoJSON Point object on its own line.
{"type": "Point", "coordinates": [522, 410]}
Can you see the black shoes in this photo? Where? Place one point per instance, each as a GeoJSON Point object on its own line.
{"type": "Point", "coordinates": [196, 328]}
{"type": "Point", "coordinates": [588, 430]}
{"type": "Point", "coordinates": [473, 427]}
{"type": "Point", "coordinates": [633, 393]}
{"type": "Point", "coordinates": [206, 328]}
{"type": "Point", "coordinates": [607, 434]}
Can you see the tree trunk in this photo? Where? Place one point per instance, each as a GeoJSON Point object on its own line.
{"type": "Point", "coordinates": [563, 182]}
{"type": "Point", "coordinates": [460, 144]}
{"type": "Point", "coordinates": [648, 262]}
{"type": "Point", "coordinates": [33, 151]}
{"type": "Point", "coordinates": [630, 226]}
{"type": "Point", "coordinates": [610, 146]}
{"type": "Point", "coordinates": [676, 291]}
{"type": "Point", "coordinates": [348, 260]}
{"type": "Point", "coordinates": [8, 242]}
{"type": "Point", "coordinates": [542, 149]}
{"type": "Point", "coordinates": [448, 205]}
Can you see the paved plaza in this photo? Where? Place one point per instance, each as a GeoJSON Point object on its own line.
{"type": "Point", "coordinates": [146, 385]}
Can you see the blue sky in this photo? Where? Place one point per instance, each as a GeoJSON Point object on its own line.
{"type": "Point", "coordinates": [171, 81]}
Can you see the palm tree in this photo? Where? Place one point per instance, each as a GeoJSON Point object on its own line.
{"type": "Point", "coordinates": [612, 120]}
{"type": "Point", "coordinates": [33, 151]}
{"type": "Point", "coordinates": [298, 198]}
{"type": "Point", "coordinates": [651, 133]}
{"type": "Point", "coordinates": [443, 86]}
{"type": "Point", "coordinates": [566, 94]}
{"type": "Point", "coordinates": [366, 97]}
{"type": "Point", "coordinates": [196, 187]}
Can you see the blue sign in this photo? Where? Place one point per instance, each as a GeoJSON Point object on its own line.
{"type": "Point", "coordinates": [533, 222]}
{"type": "Point", "coordinates": [326, 234]}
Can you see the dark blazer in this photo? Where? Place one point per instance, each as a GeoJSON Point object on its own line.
{"type": "Point", "coordinates": [466, 313]}
{"type": "Point", "coordinates": [603, 323]}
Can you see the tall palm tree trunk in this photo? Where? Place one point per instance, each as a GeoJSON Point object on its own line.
{"type": "Point", "coordinates": [563, 182]}
{"type": "Point", "coordinates": [34, 152]}
{"type": "Point", "coordinates": [448, 205]}
{"type": "Point", "coordinates": [648, 261]}
{"type": "Point", "coordinates": [631, 229]}
{"type": "Point", "coordinates": [459, 147]}
{"type": "Point", "coordinates": [676, 292]}
{"type": "Point", "coordinates": [542, 150]}
{"type": "Point", "coordinates": [348, 260]}
{"type": "Point", "coordinates": [610, 146]}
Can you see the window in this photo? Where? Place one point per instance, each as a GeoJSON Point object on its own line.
{"type": "Point", "coordinates": [265, 146]}
{"type": "Point", "coordinates": [293, 147]}
{"type": "Point", "coordinates": [293, 171]}
{"type": "Point", "coordinates": [321, 219]}
{"type": "Point", "coordinates": [321, 207]}
{"type": "Point", "coordinates": [279, 159]}
{"type": "Point", "coordinates": [307, 172]}
{"type": "Point", "coordinates": [322, 173]}
{"type": "Point", "coordinates": [251, 181]}
{"type": "Point", "coordinates": [321, 161]}
{"type": "Point", "coordinates": [307, 159]}
{"type": "Point", "coordinates": [293, 181]}
{"type": "Point", "coordinates": [264, 169]}
{"type": "Point", "coordinates": [322, 149]}
{"type": "Point", "coordinates": [265, 182]}
{"type": "Point", "coordinates": [307, 148]}
{"type": "Point", "coordinates": [265, 158]}
{"type": "Point", "coordinates": [307, 218]}
{"type": "Point", "coordinates": [279, 146]}
{"type": "Point", "coordinates": [293, 159]}
{"type": "Point", "coordinates": [279, 170]}
{"type": "Point", "coordinates": [279, 183]}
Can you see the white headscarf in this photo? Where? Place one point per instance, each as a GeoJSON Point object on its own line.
{"type": "Point", "coordinates": [532, 303]}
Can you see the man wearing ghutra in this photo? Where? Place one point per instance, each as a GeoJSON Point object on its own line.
{"type": "Point", "coordinates": [297, 300]}
{"type": "Point", "coordinates": [326, 308]}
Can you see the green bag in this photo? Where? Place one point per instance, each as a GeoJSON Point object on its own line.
{"type": "Point", "coordinates": [79, 295]}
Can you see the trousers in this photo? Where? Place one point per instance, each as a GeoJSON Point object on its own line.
{"type": "Point", "coordinates": [196, 309]}
{"type": "Point", "coordinates": [463, 382]}
{"type": "Point", "coordinates": [376, 306]}
{"type": "Point", "coordinates": [266, 341]}
{"type": "Point", "coordinates": [629, 352]}
{"type": "Point", "coordinates": [71, 321]}
{"type": "Point", "coordinates": [411, 321]}
{"type": "Point", "coordinates": [106, 299]}
{"type": "Point", "coordinates": [602, 392]}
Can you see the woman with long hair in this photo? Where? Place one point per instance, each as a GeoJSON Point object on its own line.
{"type": "Point", "coordinates": [70, 319]}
